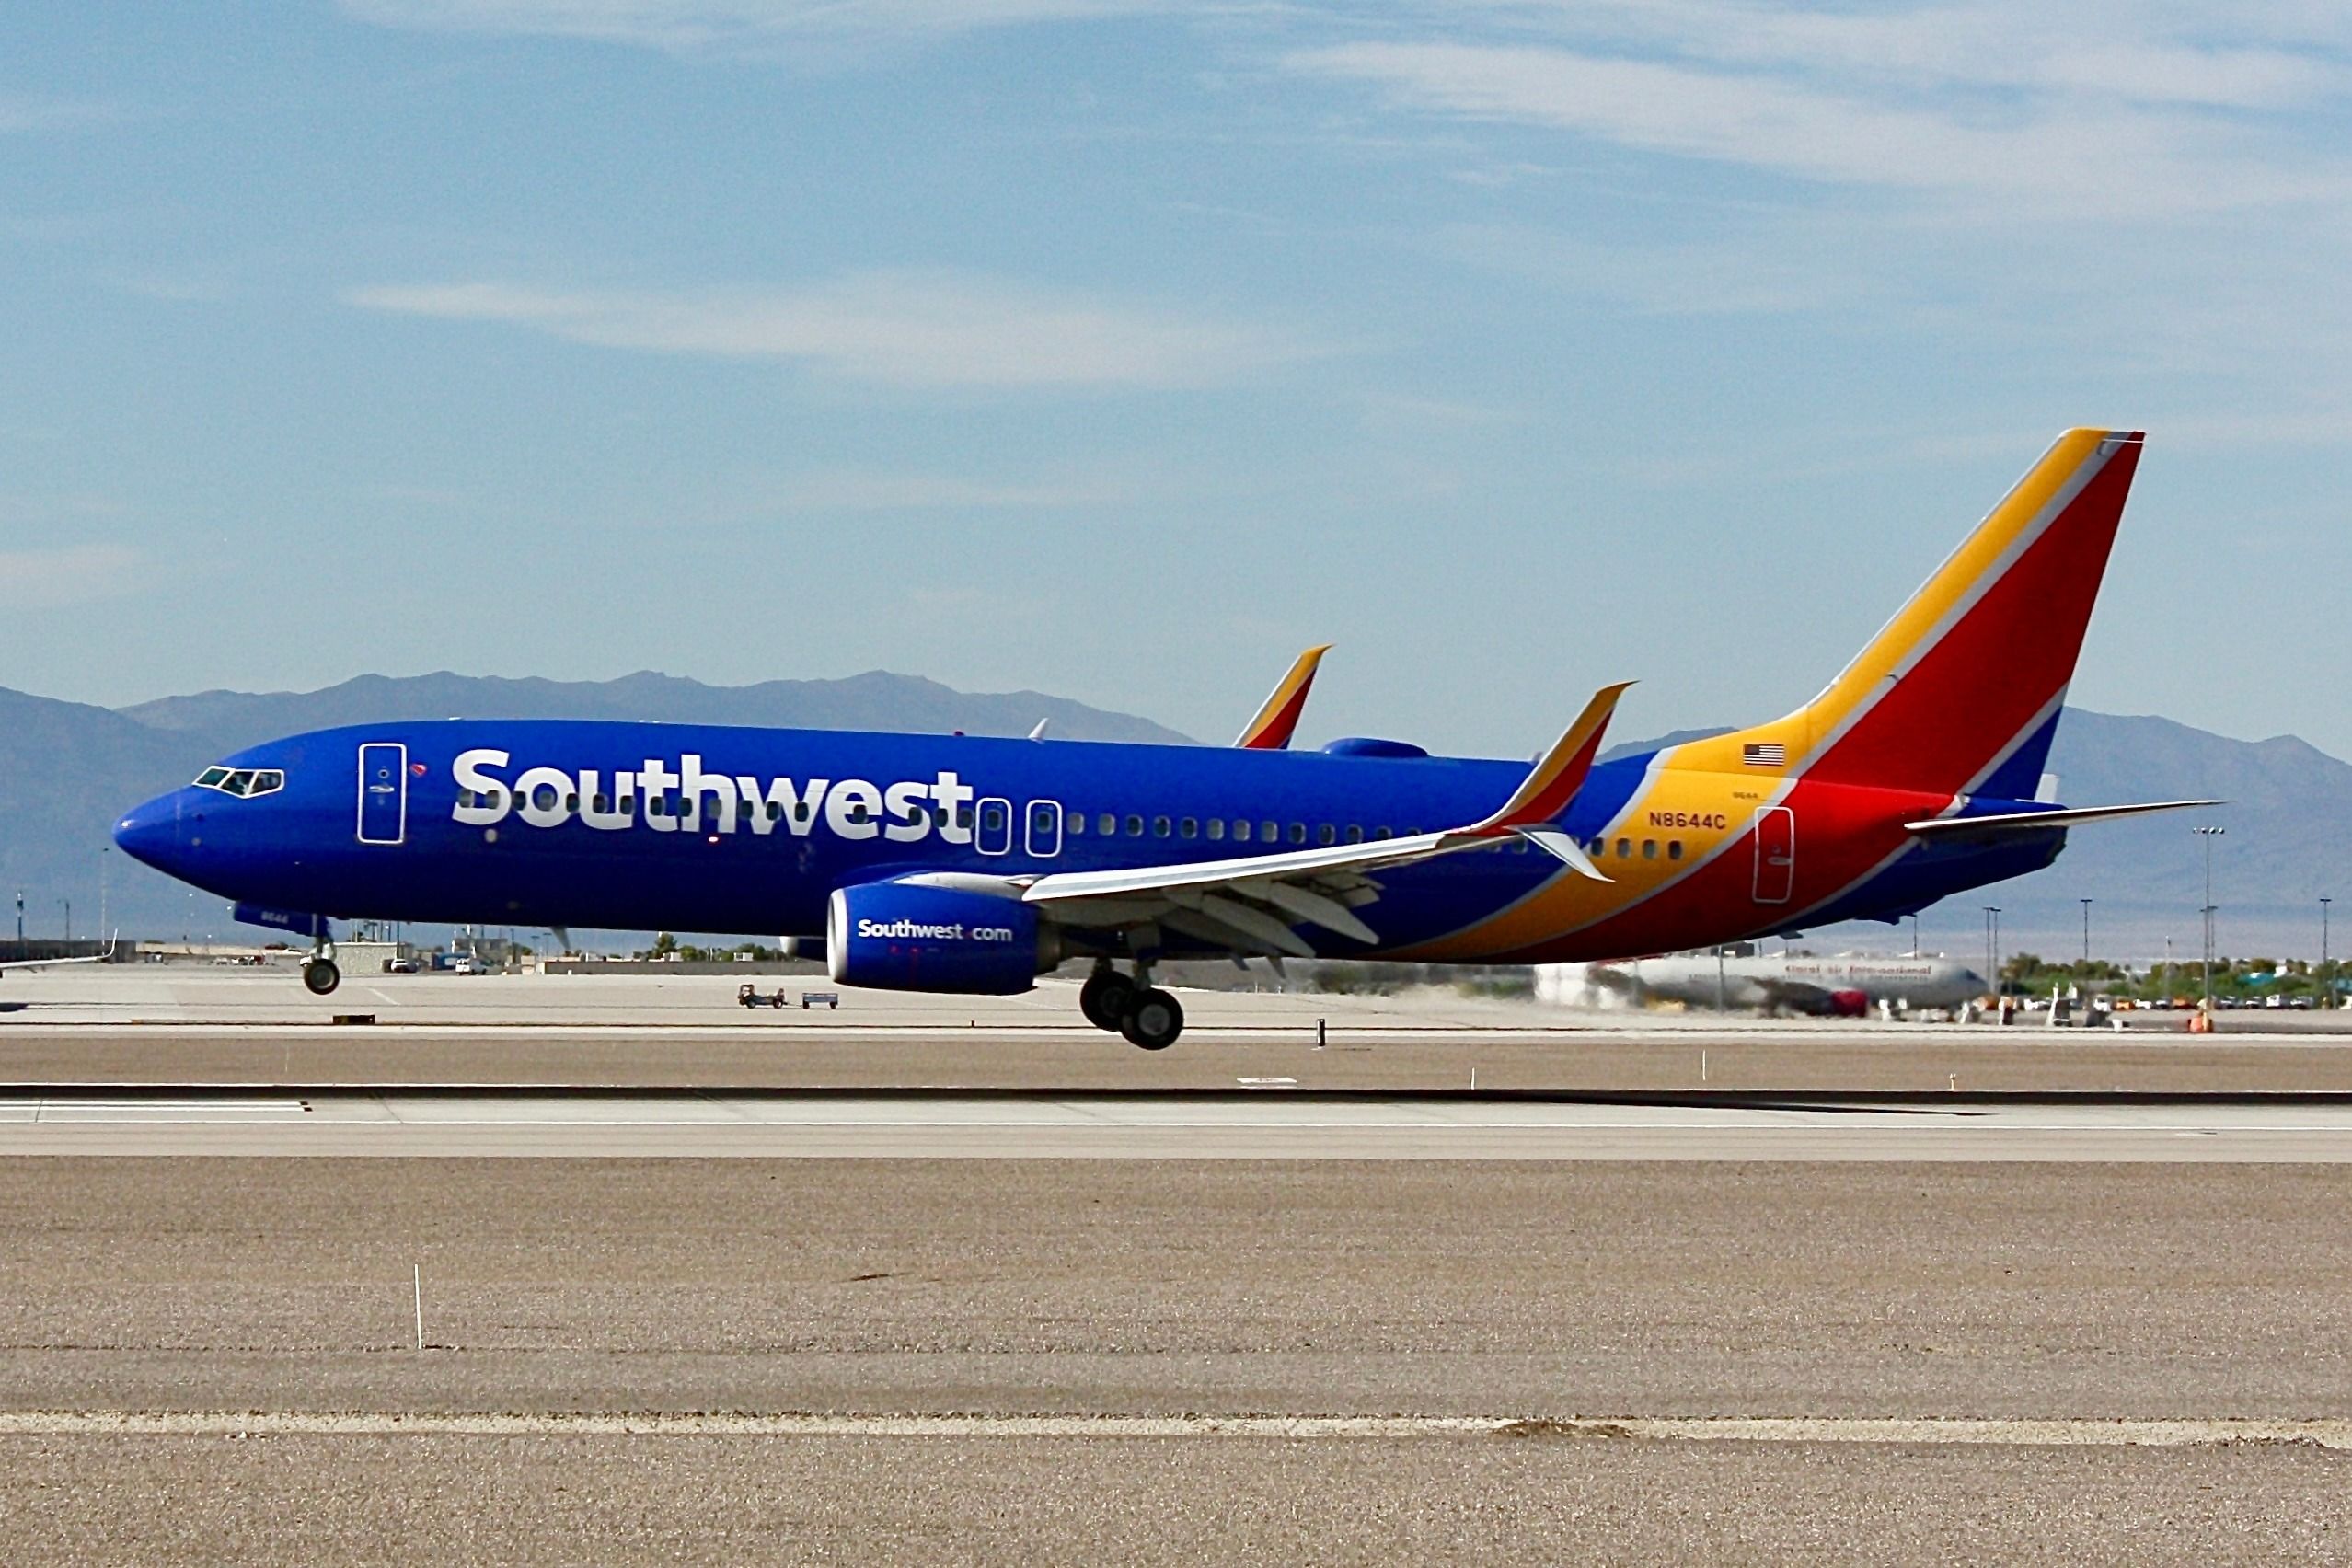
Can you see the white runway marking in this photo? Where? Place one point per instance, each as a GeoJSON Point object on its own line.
{"type": "Point", "coordinates": [2070, 1433]}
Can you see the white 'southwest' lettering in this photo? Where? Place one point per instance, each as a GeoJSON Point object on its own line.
{"type": "Point", "coordinates": [692, 798]}
{"type": "Point", "coordinates": [482, 799]}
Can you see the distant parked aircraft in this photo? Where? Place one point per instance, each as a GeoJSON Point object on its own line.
{"type": "Point", "coordinates": [1848, 987]}
{"type": "Point", "coordinates": [959, 864]}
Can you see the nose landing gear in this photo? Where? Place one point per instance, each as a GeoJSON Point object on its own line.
{"type": "Point", "coordinates": [1146, 1016]}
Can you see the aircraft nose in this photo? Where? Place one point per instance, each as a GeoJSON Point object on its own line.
{"type": "Point", "coordinates": [152, 833]}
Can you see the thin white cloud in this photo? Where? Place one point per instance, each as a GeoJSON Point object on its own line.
{"type": "Point", "coordinates": [724, 27]}
{"type": "Point", "coordinates": [19, 112]}
{"type": "Point", "coordinates": [67, 574]}
{"type": "Point", "coordinates": [2147, 52]}
{"type": "Point", "coordinates": [2089, 157]}
{"type": "Point", "coordinates": [917, 329]}
{"type": "Point", "coordinates": [859, 491]}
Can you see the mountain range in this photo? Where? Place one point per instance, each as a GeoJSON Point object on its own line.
{"type": "Point", "coordinates": [71, 769]}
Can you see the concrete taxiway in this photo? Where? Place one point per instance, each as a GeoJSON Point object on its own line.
{"type": "Point", "coordinates": [1271, 1123]}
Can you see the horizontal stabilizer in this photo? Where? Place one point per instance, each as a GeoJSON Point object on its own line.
{"type": "Point", "coordinates": [2041, 822]}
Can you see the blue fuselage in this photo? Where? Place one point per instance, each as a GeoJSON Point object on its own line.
{"type": "Point", "coordinates": [727, 830]}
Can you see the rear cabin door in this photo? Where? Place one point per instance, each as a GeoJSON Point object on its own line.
{"type": "Point", "coordinates": [383, 793]}
{"type": "Point", "coordinates": [1775, 854]}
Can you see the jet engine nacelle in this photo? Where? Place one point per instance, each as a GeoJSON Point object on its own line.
{"type": "Point", "coordinates": [1849, 1004]}
{"type": "Point", "coordinates": [907, 937]}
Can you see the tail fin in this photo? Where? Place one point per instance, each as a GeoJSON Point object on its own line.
{"type": "Point", "coordinates": [1960, 692]}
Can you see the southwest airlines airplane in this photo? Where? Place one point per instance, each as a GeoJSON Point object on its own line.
{"type": "Point", "coordinates": [961, 864]}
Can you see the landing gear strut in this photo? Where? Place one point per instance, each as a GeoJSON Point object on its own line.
{"type": "Point", "coordinates": [319, 974]}
{"type": "Point", "coordinates": [1147, 1016]}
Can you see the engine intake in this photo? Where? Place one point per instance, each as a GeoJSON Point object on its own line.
{"type": "Point", "coordinates": [906, 937]}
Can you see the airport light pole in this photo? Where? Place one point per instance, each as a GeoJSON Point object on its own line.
{"type": "Point", "coordinates": [2324, 902]}
{"type": "Point", "coordinates": [69, 918]}
{"type": "Point", "coordinates": [2208, 835]}
{"type": "Point", "coordinates": [20, 917]}
{"type": "Point", "coordinates": [2086, 933]}
{"type": "Point", "coordinates": [1992, 947]}
{"type": "Point", "coordinates": [1915, 936]}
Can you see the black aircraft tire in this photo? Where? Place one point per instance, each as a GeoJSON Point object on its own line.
{"type": "Point", "coordinates": [321, 975]}
{"type": "Point", "coordinates": [1104, 999]}
{"type": "Point", "coordinates": [1154, 1021]}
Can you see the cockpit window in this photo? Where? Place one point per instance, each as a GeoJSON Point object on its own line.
{"type": "Point", "coordinates": [242, 783]}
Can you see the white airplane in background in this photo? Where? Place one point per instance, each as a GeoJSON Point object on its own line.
{"type": "Point", "coordinates": [1839, 986]}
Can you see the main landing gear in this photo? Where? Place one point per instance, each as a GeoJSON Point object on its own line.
{"type": "Point", "coordinates": [319, 974]}
{"type": "Point", "coordinates": [1136, 1009]}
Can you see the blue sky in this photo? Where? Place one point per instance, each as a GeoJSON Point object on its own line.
{"type": "Point", "coordinates": [1120, 351]}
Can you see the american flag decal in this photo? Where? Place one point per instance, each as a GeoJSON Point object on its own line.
{"type": "Point", "coordinates": [1770, 754]}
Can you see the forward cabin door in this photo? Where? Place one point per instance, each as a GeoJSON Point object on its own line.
{"type": "Point", "coordinates": [383, 793]}
{"type": "Point", "coordinates": [1775, 854]}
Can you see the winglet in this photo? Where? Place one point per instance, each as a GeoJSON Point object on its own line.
{"type": "Point", "coordinates": [1553, 781]}
{"type": "Point", "coordinates": [1271, 729]}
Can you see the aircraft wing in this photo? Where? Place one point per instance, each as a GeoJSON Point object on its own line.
{"type": "Point", "coordinates": [2037, 822]}
{"type": "Point", "coordinates": [1277, 718]}
{"type": "Point", "coordinates": [52, 962]}
{"type": "Point", "coordinates": [1251, 903]}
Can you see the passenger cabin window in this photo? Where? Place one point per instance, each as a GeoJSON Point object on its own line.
{"type": "Point", "coordinates": [1674, 848]}
{"type": "Point", "coordinates": [1217, 827]}
{"type": "Point", "coordinates": [1355, 833]}
{"type": "Point", "coordinates": [1161, 827]}
{"type": "Point", "coordinates": [1077, 824]}
{"type": "Point", "coordinates": [1326, 833]}
{"type": "Point", "coordinates": [1649, 848]}
{"type": "Point", "coordinates": [1240, 831]}
{"type": "Point", "coordinates": [1134, 827]}
{"type": "Point", "coordinates": [1624, 848]}
{"type": "Point", "coordinates": [1190, 827]}
{"type": "Point", "coordinates": [1270, 830]}
{"type": "Point", "coordinates": [1106, 824]}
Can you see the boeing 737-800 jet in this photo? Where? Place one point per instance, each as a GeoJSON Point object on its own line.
{"type": "Point", "coordinates": [961, 864]}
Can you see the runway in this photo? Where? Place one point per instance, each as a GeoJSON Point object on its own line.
{"type": "Point", "coordinates": [1283, 1360]}
{"type": "Point", "coordinates": [635, 1271]}
{"type": "Point", "coordinates": [1269, 1123]}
